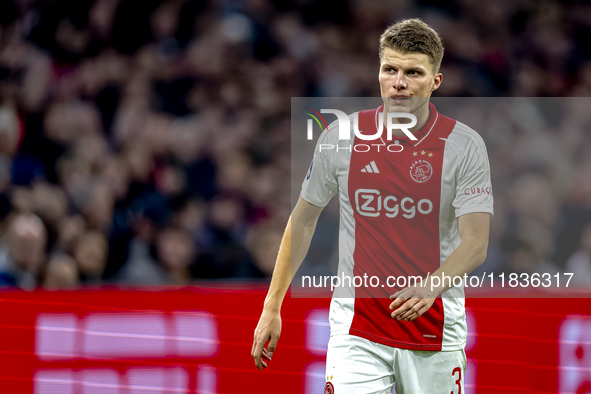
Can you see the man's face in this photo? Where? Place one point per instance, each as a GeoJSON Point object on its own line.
{"type": "Point", "coordinates": [406, 80]}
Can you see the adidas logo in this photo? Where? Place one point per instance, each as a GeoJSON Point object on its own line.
{"type": "Point", "coordinates": [371, 168]}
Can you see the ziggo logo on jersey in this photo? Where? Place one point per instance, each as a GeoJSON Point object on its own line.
{"type": "Point", "coordinates": [369, 202]}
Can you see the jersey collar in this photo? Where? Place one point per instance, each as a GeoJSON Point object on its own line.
{"type": "Point", "coordinates": [420, 134]}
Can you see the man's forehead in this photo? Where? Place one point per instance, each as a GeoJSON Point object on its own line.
{"type": "Point", "coordinates": [408, 59]}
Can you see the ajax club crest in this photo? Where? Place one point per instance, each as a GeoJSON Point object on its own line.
{"type": "Point", "coordinates": [421, 171]}
{"type": "Point", "coordinates": [328, 388]}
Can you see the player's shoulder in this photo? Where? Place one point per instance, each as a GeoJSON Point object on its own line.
{"type": "Point", "coordinates": [331, 135]}
{"type": "Point", "coordinates": [464, 138]}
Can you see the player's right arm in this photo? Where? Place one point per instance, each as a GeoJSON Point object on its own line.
{"type": "Point", "coordinates": [294, 246]}
{"type": "Point", "coordinates": [319, 186]}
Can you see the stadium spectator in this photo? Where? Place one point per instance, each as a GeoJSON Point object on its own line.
{"type": "Point", "coordinates": [579, 263]}
{"type": "Point", "coordinates": [22, 254]}
{"type": "Point", "coordinates": [61, 273]}
{"type": "Point", "coordinates": [90, 254]}
{"type": "Point", "coordinates": [176, 253]}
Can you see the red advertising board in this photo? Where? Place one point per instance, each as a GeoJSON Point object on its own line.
{"type": "Point", "coordinates": [198, 340]}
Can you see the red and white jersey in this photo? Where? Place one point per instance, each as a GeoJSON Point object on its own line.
{"type": "Point", "coordinates": [398, 218]}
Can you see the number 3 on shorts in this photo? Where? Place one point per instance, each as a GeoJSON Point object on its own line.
{"type": "Point", "coordinates": [459, 380]}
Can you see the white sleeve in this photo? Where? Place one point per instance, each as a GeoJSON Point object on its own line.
{"type": "Point", "coordinates": [474, 189]}
{"type": "Point", "coordinates": [320, 184]}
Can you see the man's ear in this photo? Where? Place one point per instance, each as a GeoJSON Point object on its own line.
{"type": "Point", "coordinates": [437, 81]}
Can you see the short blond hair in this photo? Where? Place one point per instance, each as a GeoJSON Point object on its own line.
{"type": "Point", "coordinates": [413, 35]}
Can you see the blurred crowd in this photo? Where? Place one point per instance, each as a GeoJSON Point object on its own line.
{"type": "Point", "coordinates": [540, 157]}
{"type": "Point", "coordinates": [148, 141]}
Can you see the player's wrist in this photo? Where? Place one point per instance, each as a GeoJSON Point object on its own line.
{"type": "Point", "coordinates": [272, 306]}
{"type": "Point", "coordinates": [435, 287]}
{"type": "Point", "coordinates": [273, 310]}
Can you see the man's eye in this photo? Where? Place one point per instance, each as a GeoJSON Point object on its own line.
{"type": "Point", "coordinates": [412, 72]}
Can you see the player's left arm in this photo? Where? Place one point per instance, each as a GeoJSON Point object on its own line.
{"type": "Point", "coordinates": [412, 302]}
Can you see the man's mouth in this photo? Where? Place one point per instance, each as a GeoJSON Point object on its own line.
{"type": "Point", "coordinates": [399, 98]}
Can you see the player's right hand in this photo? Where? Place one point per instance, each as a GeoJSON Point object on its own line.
{"type": "Point", "coordinates": [268, 329]}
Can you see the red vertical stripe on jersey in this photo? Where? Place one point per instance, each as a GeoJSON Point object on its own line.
{"type": "Point", "coordinates": [396, 215]}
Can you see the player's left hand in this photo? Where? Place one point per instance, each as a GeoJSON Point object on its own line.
{"type": "Point", "coordinates": [411, 302]}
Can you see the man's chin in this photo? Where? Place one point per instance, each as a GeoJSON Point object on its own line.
{"type": "Point", "coordinates": [392, 107]}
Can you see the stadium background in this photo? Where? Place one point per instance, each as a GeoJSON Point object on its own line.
{"type": "Point", "coordinates": [147, 143]}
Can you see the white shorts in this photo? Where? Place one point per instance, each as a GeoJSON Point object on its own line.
{"type": "Point", "coordinates": [356, 365]}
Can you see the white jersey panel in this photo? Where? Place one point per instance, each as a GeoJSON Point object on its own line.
{"type": "Point", "coordinates": [465, 188]}
{"type": "Point", "coordinates": [328, 175]}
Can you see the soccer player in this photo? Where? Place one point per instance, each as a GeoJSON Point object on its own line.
{"type": "Point", "coordinates": [420, 209]}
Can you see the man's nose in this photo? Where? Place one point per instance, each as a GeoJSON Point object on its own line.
{"type": "Point", "coordinates": [399, 81]}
